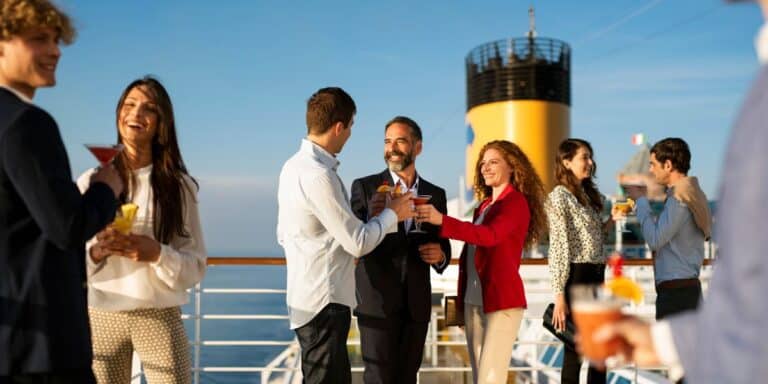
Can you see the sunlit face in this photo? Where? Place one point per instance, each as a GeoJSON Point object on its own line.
{"type": "Point", "coordinates": [495, 169]}
{"type": "Point", "coordinates": [139, 118]}
{"type": "Point", "coordinates": [28, 60]}
{"type": "Point", "coordinates": [581, 164]}
{"type": "Point", "coordinates": [660, 171]}
{"type": "Point", "coordinates": [400, 147]}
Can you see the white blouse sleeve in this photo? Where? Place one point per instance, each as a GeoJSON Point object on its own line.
{"type": "Point", "coordinates": [182, 263]}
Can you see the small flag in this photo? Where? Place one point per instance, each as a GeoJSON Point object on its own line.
{"type": "Point", "coordinates": [638, 139]}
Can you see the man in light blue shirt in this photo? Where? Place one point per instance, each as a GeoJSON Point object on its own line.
{"type": "Point", "coordinates": [677, 235]}
{"type": "Point", "coordinates": [724, 340]}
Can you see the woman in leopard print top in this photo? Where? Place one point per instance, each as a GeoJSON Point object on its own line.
{"type": "Point", "coordinates": [576, 239]}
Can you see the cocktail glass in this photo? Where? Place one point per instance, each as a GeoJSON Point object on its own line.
{"type": "Point", "coordinates": [593, 306]}
{"type": "Point", "coordinates": [104, 153]}
{"type": "Point", "coordinates": [419, 200]}
{"type": "Point", "coordinates": [626, 208]}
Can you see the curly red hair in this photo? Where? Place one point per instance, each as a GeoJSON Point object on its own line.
{"type": "Point", "coordinates": [525, 179]}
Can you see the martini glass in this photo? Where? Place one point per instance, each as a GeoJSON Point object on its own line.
{"type": "Point", "coordinates": [419, 200]}
{"type": "Point", "coordinates": [104, 153]}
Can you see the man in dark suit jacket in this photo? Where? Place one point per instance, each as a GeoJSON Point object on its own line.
{"type": "Point", "coordinates": [44, 220]}
{"type": "Point", "coordinates": [392, 282]}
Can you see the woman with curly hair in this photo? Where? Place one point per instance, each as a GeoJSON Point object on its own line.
{"type": "Point", "coordinates": [510, 218]}
{"type": "Point", "coordinates": [576, 240]}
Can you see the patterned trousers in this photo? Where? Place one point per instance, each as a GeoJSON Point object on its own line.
{"type": "Point", "coordinates": [157, 336]}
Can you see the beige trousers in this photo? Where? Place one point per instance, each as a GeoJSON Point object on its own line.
{"type": "Point", "coordinates": [158, 337]}
{"type": "Point", "coordinates": [490, 340]}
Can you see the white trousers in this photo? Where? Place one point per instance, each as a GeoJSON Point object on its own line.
{"type": "Point", "coordinates": [490, 340]}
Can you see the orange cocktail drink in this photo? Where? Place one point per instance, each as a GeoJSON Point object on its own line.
{"type": "Point", "coordinates": [593, 306]}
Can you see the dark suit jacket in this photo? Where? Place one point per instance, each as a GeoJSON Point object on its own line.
{"type": "Point", "coordinates": [44, 223]}
{"type": "Point", "coordinates": [380, 291]}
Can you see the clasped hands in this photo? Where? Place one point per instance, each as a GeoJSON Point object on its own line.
{"type": "Point", "coordinates": [111, 242]}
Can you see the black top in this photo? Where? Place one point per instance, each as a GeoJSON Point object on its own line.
{"type": "Point", "coordinates": [392, 278]}
{"type": "Point", "coordinates": [44, 223]}
{"type": "Point", "coordinates": [519, 69]}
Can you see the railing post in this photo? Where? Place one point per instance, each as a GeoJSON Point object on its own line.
{"type": "Point", "coordinates": [198, 318]}
{"type": "Point", "coordinates": [433, 325]}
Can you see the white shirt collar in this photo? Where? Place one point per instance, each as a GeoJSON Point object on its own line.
{"type": "Point", "coordinates": [18, 94]}
{"type": "Point", "coordinates": [761, 44]}
{"type": "Point", "coordinates": [320, 153]}
{"type": "Point", "coordinates": [398, 180]}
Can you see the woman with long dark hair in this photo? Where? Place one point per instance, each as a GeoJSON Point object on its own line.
{"type": "Point", "coordinates": [511, 217]}
{"type": "Point", "coordinates": [138, 281]}
{"type": "Point", "coordinates": [576, 233]}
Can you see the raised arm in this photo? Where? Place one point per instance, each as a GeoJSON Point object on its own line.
{"type": "Point", "coordinates": [659, 232]}
{"type": "Point", "coordinates": [37, 164]}
{"type": "Point", "coordinates": [510, 221]}
{"type": "Point", "coordinates": [330, 206]}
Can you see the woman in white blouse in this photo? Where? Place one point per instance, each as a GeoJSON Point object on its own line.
{"type": "Point", "coordinates": [576, 235]}
{"type": "Point", "coordinates": [137, 282]}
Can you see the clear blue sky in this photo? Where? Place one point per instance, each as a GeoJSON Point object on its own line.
{"type": "Point", "coordinates": [239, 73]}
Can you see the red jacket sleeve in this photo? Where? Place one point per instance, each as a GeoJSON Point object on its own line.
{"type": "Point", "coordinates": [506, 218]}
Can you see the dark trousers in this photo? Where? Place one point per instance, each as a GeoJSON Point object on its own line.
{"type": "Point", "coordinates": [580, 274]}
{"type": "Point", "coordinates": [670, 301]}
{"type": "Point", "coordinates": [323, 341]}
{"type": "Point", "coordinates": [72, 377]}
{"type": "Point", "coordinates": [392, 348]}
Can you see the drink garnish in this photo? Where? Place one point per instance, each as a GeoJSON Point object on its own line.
{"type": "Point", "coordinates": [620, 285]}
{"type": "Point", "coordinates": [124, 221]}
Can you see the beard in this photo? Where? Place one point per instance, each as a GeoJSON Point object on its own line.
{"type": "Point", "coordinates": [406, 159]}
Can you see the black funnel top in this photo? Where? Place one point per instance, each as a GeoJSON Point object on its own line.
{"type": "Point", "coordinates": [519, 69]}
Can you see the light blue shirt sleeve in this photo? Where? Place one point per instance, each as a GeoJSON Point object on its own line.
{"type": "Point", "coordinates": [659, 232]}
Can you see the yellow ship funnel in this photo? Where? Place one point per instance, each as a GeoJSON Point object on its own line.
{"type": "Point", "coordinates": [519, 90]}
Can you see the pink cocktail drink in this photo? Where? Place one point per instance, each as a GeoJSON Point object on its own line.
{"type": "Point", "coordinates": [104, 153]}
{"type": "Point", "coordinates": [419, 200]}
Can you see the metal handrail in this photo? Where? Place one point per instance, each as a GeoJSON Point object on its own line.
{"type": "Point", "coordinates": [433, 342]}
{"type": "Point", "coordinates": [270, 260]}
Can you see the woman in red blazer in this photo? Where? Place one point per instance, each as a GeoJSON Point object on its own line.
{"type": "Point", "coordinates": [510, 217]}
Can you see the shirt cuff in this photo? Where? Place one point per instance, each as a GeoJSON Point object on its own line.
{"type": "Point", "coordinates": [166, 264]}
{"type": "Point", "coordinates": [661, 334]}
{"type": "Point", "coordinates": [388, 219]}
{"type": "Point", "coordinates": [92, 265]}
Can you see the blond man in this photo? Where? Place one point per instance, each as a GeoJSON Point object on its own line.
{"type": "Point", "coordinates": [44, 220]}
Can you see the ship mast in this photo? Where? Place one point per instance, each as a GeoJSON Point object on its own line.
{"type": "Point", "coordinates": [531, 23]}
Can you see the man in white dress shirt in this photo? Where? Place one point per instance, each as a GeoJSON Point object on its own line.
{"type": "Point", "coordinates": [322, 238]}
{"type": "Point", "coordinates": [724, 340]}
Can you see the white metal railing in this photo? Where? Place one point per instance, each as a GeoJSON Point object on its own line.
{"type": "Point", "coordinates": [536, 288]}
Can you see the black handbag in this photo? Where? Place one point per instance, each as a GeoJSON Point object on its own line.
{"type": "Point", "coordinates": [565, 336]}
{"type": "Point", "coordinates": [453, 317]}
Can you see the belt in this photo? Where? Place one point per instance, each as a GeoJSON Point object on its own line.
{"type": "Point", "coordinates": [678, 283]}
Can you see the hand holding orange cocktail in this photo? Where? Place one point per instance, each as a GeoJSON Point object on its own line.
{"type": "Point", "coordinates": [596, 305]}
{"type": "Point", "coordinates": [593, 306]}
